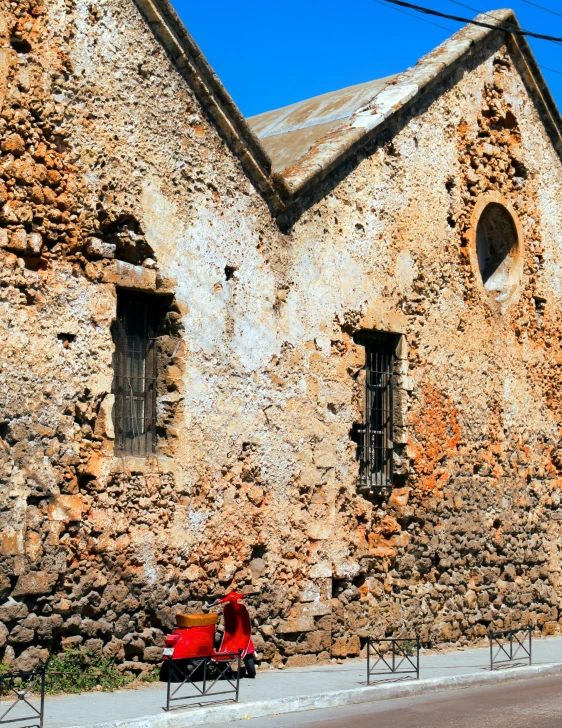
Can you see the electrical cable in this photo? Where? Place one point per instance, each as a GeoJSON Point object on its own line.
{"type": "Point", "coordinates": [416, 17]}
{"type": "Point", "coordinates": [475, 10]}
{"type": "Point", "coordinates": [468, 21]}
{"type": "Point", "coordinates": [552, 70]}
{"type": "Point", "coordinates": [468, 7]}
{"type": "Point", "coordinates": [481, 12]}
{"type": "Point", "coordinates": [541, 7]}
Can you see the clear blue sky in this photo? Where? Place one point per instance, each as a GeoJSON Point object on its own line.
{"type": "Point", "coordinates": [270, 53]}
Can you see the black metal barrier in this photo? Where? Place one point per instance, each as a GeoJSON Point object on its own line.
{"type": "Point", "coordinates": [17, 691]}
{"type": "Point", "coordinates": [203, 679]}
{"type": "Point", "coordinates": [393, 656]}
{"type": "Point", "coordinates": [511, 648]}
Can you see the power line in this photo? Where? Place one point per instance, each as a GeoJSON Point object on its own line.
{"type": "Point", "coordinates": [475, 10]}
{"type": "Point", "coordinates": [436, 13]}
{"type": "Point", "coordinates": [552, 70]}
{"type": "Point", "coordinates": [469, 7]}
{"type": "Point", "coordinates": [541, 7]}
{"type": "Point", "coordinates": [481, 12]}
{"type": "Point", "coordinates": [416, 17]}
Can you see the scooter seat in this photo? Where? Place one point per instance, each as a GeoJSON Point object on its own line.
{"type": "Point", "coordinates": [196, 620]}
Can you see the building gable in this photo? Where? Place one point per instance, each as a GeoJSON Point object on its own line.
{"type": "Point", "coordinates": [389, 98]}
{"type": "Point", "coordinates": [304, 153]}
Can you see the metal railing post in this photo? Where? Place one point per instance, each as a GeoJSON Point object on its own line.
{"type": "Point", "coordinates": [511, 647]}
{"type": "Point", "coordinates": [417, 657]}
{"type": "Point", "coordinates": [169, 685]}
{"type": "Point", "coordinates": [238, 674]}
{"type": "Point", "coordinates": [393, 656]}
{"type": "Point", "coordinates": [24, 685]}
{"type": "Point", "coordinates": [214, 673]}
{"type": "Point", "coordinates": [42, 716]}
{"type": "Point", "coordinates": [368, 660]}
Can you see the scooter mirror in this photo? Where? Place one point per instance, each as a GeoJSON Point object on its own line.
{"type": "Point", "coordinates": [206, 607]}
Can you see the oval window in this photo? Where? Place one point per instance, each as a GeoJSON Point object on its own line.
{"type": "Point", "coordinates": [497, 250]}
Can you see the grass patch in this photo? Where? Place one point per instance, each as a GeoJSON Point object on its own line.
{"type": "Point", "coordinates": [75, 672]}
{"type": "Point", "coordinates": [80, 672]}
{"type": "Point", "coordinates": [409, 648]}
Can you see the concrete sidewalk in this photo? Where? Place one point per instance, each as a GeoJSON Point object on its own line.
{"type": "Point", "coordinates": [275, 691]}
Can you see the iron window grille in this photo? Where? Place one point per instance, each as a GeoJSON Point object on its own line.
{"type": "Point", "coordinates": [375, 434]}
{"type": "Point", "coordinates": [135, 374]}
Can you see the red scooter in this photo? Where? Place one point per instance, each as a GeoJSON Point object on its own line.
{"type": "Point", "coordinates": [194, 637]}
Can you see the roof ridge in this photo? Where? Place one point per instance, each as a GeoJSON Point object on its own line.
{"type": "Point", "coordinates": [405, 87]}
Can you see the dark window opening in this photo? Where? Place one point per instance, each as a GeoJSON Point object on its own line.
{"type": "Point", "coordinates": [135, 373]}
{"type": "Point", "coordinates": [374, 436]}
{"type": "Point", "coordinates": [496, 246]}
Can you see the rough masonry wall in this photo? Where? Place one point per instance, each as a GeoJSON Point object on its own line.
{"type": "Point", "coordinates": [114, 176]}
{"type": "Point", "coordinates": [470, 541]}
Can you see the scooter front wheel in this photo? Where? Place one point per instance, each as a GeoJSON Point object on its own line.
{"type": "Point", "coordinates": [250, 662]}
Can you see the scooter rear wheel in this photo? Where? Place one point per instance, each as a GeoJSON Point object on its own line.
{"type": "Point", "coordinates": [250, 662]}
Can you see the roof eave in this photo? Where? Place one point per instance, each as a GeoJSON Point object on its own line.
{"type": "Point", "coordinates": [542, 96]}
{"type": "Point", "coordinates": [406, 89]}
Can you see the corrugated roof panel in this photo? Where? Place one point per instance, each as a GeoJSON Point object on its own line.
{"type": "Point", "coordinates": [288, 133]}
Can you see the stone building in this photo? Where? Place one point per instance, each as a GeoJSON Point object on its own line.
{"type": "Point", "coordinates": [315, 353]}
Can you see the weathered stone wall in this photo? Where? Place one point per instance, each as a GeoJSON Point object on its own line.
{"type": "Point", "coordinates": [114, 175]}
{"type": "Point", "coordinates": [469, 541]}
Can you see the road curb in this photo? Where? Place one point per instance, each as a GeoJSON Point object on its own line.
{"type": "Point", "coordinates": [260, 708]}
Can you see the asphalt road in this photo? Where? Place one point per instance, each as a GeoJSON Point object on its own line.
{"type": "Point", "coordinates": [527, 704]}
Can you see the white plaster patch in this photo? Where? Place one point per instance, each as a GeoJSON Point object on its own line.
{"type": "Point", "coordinates": [144, 550]}
{"type": "Point", "coordinates": [193, 258]}
{"type": "Point", "coordinates": [406, 269]}
{"type": "Point", "coordinates": [196, 521]}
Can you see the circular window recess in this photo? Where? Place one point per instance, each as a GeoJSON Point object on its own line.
{"type": "Point", "coordinates": [496, 249]}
